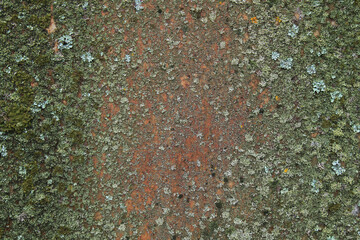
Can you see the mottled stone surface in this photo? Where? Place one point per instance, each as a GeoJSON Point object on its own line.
{"type": "Point", "coordinates": [179, 119]}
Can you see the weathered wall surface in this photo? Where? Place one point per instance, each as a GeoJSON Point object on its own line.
{"type": "Point", "coordinates": [180, 119]}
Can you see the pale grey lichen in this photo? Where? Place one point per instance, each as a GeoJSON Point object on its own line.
{"type": "Point", "coordinates": [65, 42]}
{"type": "Point", "coordinates": [319, 86]}
{"type": "Point", "coordinates": [336, 166]}
{"type": "Point", "coordinates": [235, 61]}
{"type": "Point", "coordinates": [222, 44]}
{"type": "Point", "coordinates": [286, 64]}
{"type": "Point", "coordinates": [138, 5]}
{"type": "Point", "coordinates": [335, 95]}
{"type": "Point", "coordinates": [275, 55]}
{"type": "Point", "coordinates": [315, 188]}
{"type": "Point", "coordinates": [284, 191]}
{"type": "Point", "coordinates": [238, 1]}
{"type": "Point", "coordinates": [86, 57]}
{"type": "Point", "coordinates": [323, 51]}
{"type": "Point", "coordinates": [293, 30]}
{"type": "Point", "coordinates": [84, 6]}
{"type": "Point", "coordinates": [8, 70]}
{"type": "Point", "coordinates": [109, 198]}
{"type": "Point", "coordinates": [356, 128]}
{"type": "Point", "coordinates": [38, 106]}
{"type": "Point", "coordinates": [22, 170]}
{"type": "Point", "coordinates": [20, 58]}
{"type": "Point", "coordinates": [244, 234]}
{"type": "Point", "coordinates": [316, 3]}
{"type": "Point", "coordinates": [3, 151]}
{"type": "Point", "coordinates": [311, 69]}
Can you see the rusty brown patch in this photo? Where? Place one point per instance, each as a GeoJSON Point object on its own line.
{"type": "Point", "coordinates": [181, 134]}
{"type": "Point", "coordinates": [184, 82]}
{"type": "Point", "coordinates": [52, 26]}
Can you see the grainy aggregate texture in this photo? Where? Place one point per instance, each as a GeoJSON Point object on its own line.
{"type": "Point", "coordinates": [179, 119]}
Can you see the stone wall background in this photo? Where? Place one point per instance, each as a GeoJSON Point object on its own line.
{"type": "Point", "coordinates": [179, 119]}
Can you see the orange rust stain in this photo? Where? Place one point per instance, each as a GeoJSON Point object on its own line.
{"type": "Point", "coordinates": [113, 108]}
{"type": "Point", "coordinates": [130, 82]}
{"type": "Point", "coordinates": [107, 177]}
{"type": "Point", "coordinates": [149, 201]}
{"type": "Point", "coordinates": [189, 18]}
{"type": "Point", "coordinates": [98, 216]}
{"type": "Point", "coordinates": [192, 203]}
{"type": "Point", "coordinates": [148, 104]}
{"type": "Point", "coordinates": [317, 33]}
{"type": "Point", "coordinates": [264, 96]}
{"type": "Point", "coordinates": [101, 172]}
{"type": "Point", "coordinates": [204, 67]}
{"type": "Point", "coordinates": [162, 27]}
{"type": "Point", "coordinates": [231, 184]}
{"type": "Point", "coordinates": [95, 161]}
{"type": "Point", "coordinates": [227, 38]}
{"type": "Point", "coordinates": [52, 26]}
{"type": "Point", "coordinates": [155, 130]}
{"type": "Point", "coordinates": [138, 204]}
{"type": "Point", "coordinates": [146, 67]}
{"type": "Point", "coordinates": [272, 108]}
{"type": "Point", "coordinates": [215, 47]}
{"type": "Point", "coordinates": [181, 35]}
{"type": "Point", "coordinates": [318, 30]}
{"type": "Point", "coordinates": [146, 233]}
{"type": "Point", "coordinates": [56, 47]}
{"type": "Point", "coordinates": [99, 196]}
{"type": "Point", "coordinates": [34, 84]}
{"type": "Point", "coordinates": [140, 44]}
{"type": "Point", "coordinates": [148, 5]}
{"type": "Point", "coordinates": [190, 141]}
{"type": "Point", "coordinates": [172, 20]}
{"type": "Point", "coordinates": [119, 235]}
{"type": "Point", "coordinates": [313, 135]}
{"type": "Point", "coordinates": [246, 37]}
{"type": "Point", "coordinates": [254, 82]}
{"type": "Point", "coordinates": [184, 82]}
{"type": "Point", "coordinates": [111, 51]}
{"type": "Point", "coordinates": [245, 17]}
{"type": "Point", "coordinates": [164, 96]}
{"type": "Point", "coordinates": [129, 205]}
